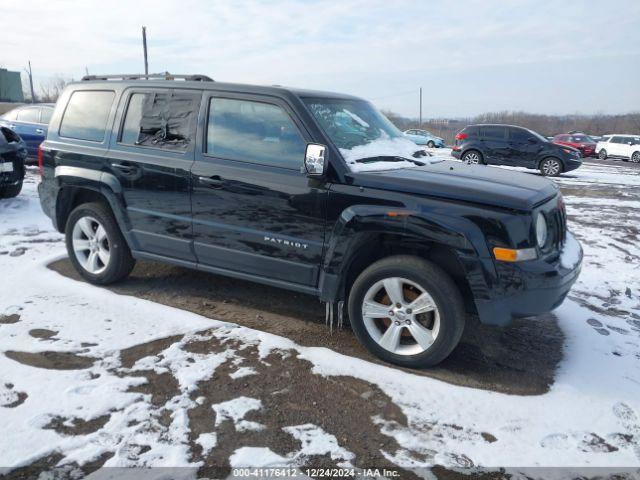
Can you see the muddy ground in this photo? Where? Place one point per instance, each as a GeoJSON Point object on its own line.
{"type": "Point", "coordinates": [520, 359]}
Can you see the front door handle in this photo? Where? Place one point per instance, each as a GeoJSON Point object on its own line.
{"type": "Point", "coordinates": [212, 182]}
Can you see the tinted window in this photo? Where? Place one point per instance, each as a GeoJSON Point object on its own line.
{"type": "Point", "coordinates": [85, 117]}
{"type": "Point", "coordinates": [518, 135]}
{"type": "Point", "coordinates": [471, 131]}
{"type": "Point", "coordinates": [161, 119]}
{"type": "Point", "coordinates": [253, 132]}
{"type": "Point", "coordinates": [492, 133]}
{"type": "Point", "coordinates": [617, 140]}
{"type": "Point", "coordinates": [30, 115]}
{"type": "Point", "coordinates": [45, 115]}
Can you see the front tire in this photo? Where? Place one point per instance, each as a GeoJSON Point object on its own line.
{"type": "Point", "coordinates": [407, 311]}
{"type": "Point", "coordinates": [473, 157]}
{"type": "Point", "coordinates": [602, 155]}
{"type": "Point", "coordinates": [550, 167]}
{"type": "Point", "coordinates": [11, 191]}
{"type": "Point", "coordinates": [95, 245]}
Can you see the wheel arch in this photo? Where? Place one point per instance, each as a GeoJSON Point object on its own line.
{"type": "Point", "coordinates": [361, 238]}
{"type": "Point", "coordinates": [71, 195]}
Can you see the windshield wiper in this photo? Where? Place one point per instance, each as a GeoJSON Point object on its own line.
{"type": "Point", "coordinates": [389, 158]}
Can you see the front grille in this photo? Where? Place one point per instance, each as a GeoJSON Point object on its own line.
{"type": "Point", "coordinates": [560, 219]}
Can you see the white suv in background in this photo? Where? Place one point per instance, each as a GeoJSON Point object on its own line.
{"type": "Point", "coordinates": [626, 147]}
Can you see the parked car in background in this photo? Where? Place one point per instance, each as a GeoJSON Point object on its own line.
{"type": "Point", "coordinates": [423, 137]}
{"type": "Point", "coordinates": [625, 147]}
{"type": "Point", "coordinates": [31, 123]}
{"type": "Point", "coordinates": [13, 153]}
{"type": "Point", "coordinates": [515, 147]}
{"type": "Point", "coordinates": [582, 142]}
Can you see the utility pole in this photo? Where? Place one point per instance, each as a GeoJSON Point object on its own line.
{"type": "Point", "coordinates": [33, 93]}
{"type": "Point", "coordinates": [144, 47]}
{"type": "Point", "coordinates": [420, 107]}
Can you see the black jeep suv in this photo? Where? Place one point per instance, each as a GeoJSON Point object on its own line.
{"type": "Point", "coordinates": [309, 191]}
{"type": "Point", "coordinates": [515, 147]}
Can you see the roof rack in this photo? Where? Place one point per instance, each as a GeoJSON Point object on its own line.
{"type": "Point", "coordinates": [150, 76]}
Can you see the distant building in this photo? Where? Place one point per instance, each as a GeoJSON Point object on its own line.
{"type": "Point", "coordinates": [10, 86]}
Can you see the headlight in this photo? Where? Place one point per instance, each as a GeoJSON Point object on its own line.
{"type": "Point", "coordinates": [541, 230]}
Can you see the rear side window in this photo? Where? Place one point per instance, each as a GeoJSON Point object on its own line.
{"type": "Point", "coordinates": [605, 139]}
{"type": "Point", "coordinates": [492, 133]}
{"type": "Point", "coordinates": [253, 132]}
{"type": "Point", "coordinates": [29, 115]}
{"type": "Point", "coordinates": [45, 115]}
{"type": "Point", "coordinates": [164, 120]}
{"type": "Point", "coordinates": [472, 132]}
{"type": "Point", "coordinates": [617, 140]}
{"type": "Point", "coordinates": [85, 117]}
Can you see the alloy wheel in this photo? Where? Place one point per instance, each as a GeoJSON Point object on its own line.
{"type": "Point", "coordinates": [602, 155]}
{"type": "Point", "coordinates": [472, 158]}
{"type": "Point", "coordinates": [551, 167]}
{"type": "Point", "coordinates": [91, 245]}
{"type": "Point", "coordinates": [401, 316]}
{"type": "Point", "coordinates": [635, 158]}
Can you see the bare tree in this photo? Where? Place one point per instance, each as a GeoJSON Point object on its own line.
{"type": "Point", "coordinates": [51, 89]}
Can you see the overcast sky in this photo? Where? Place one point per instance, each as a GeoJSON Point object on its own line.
{"type": "Point", "coordinates": [469, 56]}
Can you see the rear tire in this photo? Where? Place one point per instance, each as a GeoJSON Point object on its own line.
{"type": "Point", "coordinates": [473, 157]}
{"type": "Point", "coordinates": [430, 144]}
{"type": "Point", "coordinates": [550, 167]}
{"type": "Point", "coordinates": [417, 333]}
{"type": "Point", "coordinates": [635, 158]}
{"type": "Point", "coordinates": [11, 191]}
{"type": "Point", "coordinates": [602, 155]}
{"type": "Point", "coordinates": [95, 244]}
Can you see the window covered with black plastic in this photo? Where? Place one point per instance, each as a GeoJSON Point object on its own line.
{"type": "Point", "coordinates": [161, 119]}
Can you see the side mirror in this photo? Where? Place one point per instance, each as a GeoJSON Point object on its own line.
{"type": "Point", "coordinates": [315, 160]}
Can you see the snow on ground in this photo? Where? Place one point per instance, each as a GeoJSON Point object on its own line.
{"type": "Point", "coordinates": [590, 416]}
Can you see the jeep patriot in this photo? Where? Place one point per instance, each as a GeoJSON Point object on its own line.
{"type": "Point", "coordinates": [304, 190]}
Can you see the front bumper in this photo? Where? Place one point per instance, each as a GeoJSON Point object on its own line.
{"type": "Point", "coordinates": [571, 164]}
{"type": "Point", "coordinates": [530, 288]}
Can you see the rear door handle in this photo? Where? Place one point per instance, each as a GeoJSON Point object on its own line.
{"type": "Point", "coordinates": [126, 168]}
{"type": "Point", "coordinates": [213, 182]}
{"type": "Point", "coordinates": [39, 131]}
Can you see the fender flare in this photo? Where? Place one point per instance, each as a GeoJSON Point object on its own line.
{"type": "Point", "coordinates": [358, 224]}
{"type": "Point", "coordinates": [104, 183]}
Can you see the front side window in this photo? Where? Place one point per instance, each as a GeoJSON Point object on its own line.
{"type": "Point", "coordinates": [161, 119]}
{"type": "Point", "coordinates": [253, 132]}
{"type": "Point", "coordinates": [520, 135]}
{"type": "Point", "coordinates": [85, 117]}
{"type": "Point", "coordinates": [29, 115]}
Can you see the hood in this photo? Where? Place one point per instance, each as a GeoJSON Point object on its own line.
{"type": "Point", "coordinates": [468, 183]}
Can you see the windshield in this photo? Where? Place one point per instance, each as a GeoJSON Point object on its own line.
{"type": "Point", "coordinates": [362, 132]}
